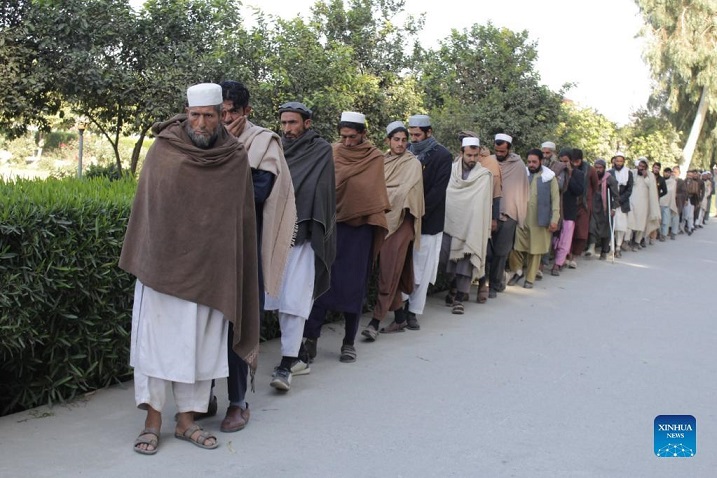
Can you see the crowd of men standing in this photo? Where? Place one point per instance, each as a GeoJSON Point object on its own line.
{"type": "Point", "coordinates": [231, 219]}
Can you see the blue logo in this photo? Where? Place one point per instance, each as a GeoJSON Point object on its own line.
{"type": "Point", "coordinates": [675, 436]}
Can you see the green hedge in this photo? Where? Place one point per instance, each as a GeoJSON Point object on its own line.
{"type": "Point", "coordinates": [65, 306]}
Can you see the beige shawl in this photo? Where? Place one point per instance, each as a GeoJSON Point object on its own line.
{"type": "Point", "coordinates": [468, 214]}
{"type": "Point", "coordinates": [266, 153]}
{"type": "Point", "coordinates": [404, 182]}
{"type": "Point", "coordinates": [654, 216]}
{"type": "Point", "coordinates": [670, 199]}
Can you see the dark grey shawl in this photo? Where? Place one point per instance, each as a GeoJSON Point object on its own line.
{"type": "Point", "coordinates": [311, 165]}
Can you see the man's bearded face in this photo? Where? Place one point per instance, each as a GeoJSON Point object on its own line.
{"type": "Point", "coordinates": [398, 143]}
{"type": "Point", "coordinates": [619, 162]}
{"type": "Point", "coordinates": [293, 124]}
{"type": "Point", "coordinates": [502, 148]}
{"type": "Point", "coordinates": [533, 163]}
{"type": "Point", "coordinates": [202, 125]}
{"type": "Point", "coordinates": [470, 156]}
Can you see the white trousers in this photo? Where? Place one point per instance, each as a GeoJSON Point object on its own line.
{"type": "Point", "coordinates": [425, 270]}
{"type": "Point", "coordinates": [294, 305]}
{"type": "Point", "coordinates": [292, 332]}
{"type": "Point", "coordinates": [177, 344]}
{"type": "Point", "coordinates": [189, 397]}
{"type": "Point", "coordinates": [688, 216]}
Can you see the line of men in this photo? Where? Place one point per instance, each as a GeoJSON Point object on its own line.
{"type": "Point", "coordinates": [230, 220]}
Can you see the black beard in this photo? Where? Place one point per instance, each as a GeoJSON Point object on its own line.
{"type": "Point", "coordinates": [618, 168]}
{"type": "Point", "coordinates": [600, 175]}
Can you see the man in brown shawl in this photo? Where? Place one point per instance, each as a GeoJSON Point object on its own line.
{"type": "Point", "coordinates": [191, 243]}
{"type": "Point", "coordinates": [307, 273]}
{"type": "Point", "coordinates": [275, 218]}
{"type": "Point", "coordinates": [361, 206]}
{"type": "Point", "coordinates": [404, 182]}
{"type": "Point", "coordinates": [513, 208]}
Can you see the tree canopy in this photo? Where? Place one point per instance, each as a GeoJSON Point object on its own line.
{"type": "Point", "coordinates": [125, 69]}
{"type": "Point", "coordinates": [682, 55]}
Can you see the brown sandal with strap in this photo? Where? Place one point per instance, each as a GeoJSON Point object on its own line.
{"type": "Point", "coordinates": [200, 440]}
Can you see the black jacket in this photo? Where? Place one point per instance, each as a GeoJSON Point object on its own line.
{"type": "Point", "coordinates": [576, 187]}
{"type": "Point", "coordinates": [436, 173]}
{"type": "Point", "coordinates": [625, 191]}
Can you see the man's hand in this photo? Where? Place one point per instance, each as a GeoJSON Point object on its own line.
{"type": "Point", "coordinates": [553, 227]}
{"type": "Point", "coordinates": [237, 126]}
{"type": "Point", "coordinates": [493, 225]}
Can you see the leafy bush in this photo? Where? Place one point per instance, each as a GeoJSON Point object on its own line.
{"type": "Point", "coordinates": [55, 139]}
{"type": "Point", "coordinates": [65, 306]}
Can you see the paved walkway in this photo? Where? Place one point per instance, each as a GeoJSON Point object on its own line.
{"type": "Point", "coordinates": [561, 381]}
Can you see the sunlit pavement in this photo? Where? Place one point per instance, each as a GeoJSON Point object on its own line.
{"type": "Point", "coordinates": [564, 380]}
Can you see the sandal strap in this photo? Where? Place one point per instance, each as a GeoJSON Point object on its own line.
{"type": "Point", "coordinates": [203, 436]}
{"type": "Point", "coordinates": [141, 440]}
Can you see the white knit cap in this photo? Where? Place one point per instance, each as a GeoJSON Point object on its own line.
{"type": "Point", "coordinates": [503, 137]}
{"type": "Point", "coordinates": [353, 117]}
{"type": "Point", "coordinates": [548, 144]}
{"type": "Point", "coordinates": [619, 153]}
{"type": "Point", "coordinates": [470, 141]}
{"type": "Point", "coordinates": [419, 121]}
{"type": "Point", "coordinates": [204, 94]}
{"type": "Point", "coordinates": [394, 126]}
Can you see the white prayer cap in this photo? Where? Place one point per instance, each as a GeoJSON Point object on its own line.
{"type": "Point", "coordinates": [419, 121]}
{"type": "Point", "coordinates": [469, 141]}
{"type": "Point", "coordinates": [548, 144]}
{"type": "Point", "coordinates": [503, 137]}
{"type": "Point", "coordinates": [641, 159]}
{"type": "Point", "coordinates": [204, 94]}
{"type": "Point", "coordinates": [353, 117]}
{"type": "Point", "coordinates": [619, 153]}
{"type": "Point", "coordinates": [394, 126]}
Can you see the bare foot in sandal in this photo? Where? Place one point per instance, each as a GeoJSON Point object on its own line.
{"type": "Point", "coordinates": [148, 439]}
{"type": "Point", "coordinates": [189, 431]}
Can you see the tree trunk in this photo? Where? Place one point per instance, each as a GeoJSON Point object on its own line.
{"type": "Point", "coordinates": [137, 149]}
{"type": "Point", "coordinates": [691, 144]}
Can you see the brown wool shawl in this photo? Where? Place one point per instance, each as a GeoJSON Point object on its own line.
{"type": "Point", "coordinates": [361, 196]}
{"type": "Point", "coordinates": [192, 230]}
{"type": "Point", "coordinates": [279, 214]}
{"type": "Point", "coordinates": [493, 166]}
{"type": "Point", "coordinates": [404, 182]}
{"type": "Point", "coordinates": [514, 202]}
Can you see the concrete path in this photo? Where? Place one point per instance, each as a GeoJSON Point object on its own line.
{"type": "Point", "coordinates": [564, 380]}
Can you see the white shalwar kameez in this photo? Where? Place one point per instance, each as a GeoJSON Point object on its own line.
{"type": "Point", "coordinates": [179, 343]}
{"type": "Point", "coordinates": [425, 270]}
{"type": "Point", "coordinates": [294, 305]}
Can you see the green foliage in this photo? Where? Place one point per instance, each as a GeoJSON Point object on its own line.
{"type": "Point", "coordinates": [64, 304]}
{"type": "Point", "coordinates": [483, 79]}
{"type": "Point", "coordinates": [653, 137]}
{"type": "Point", "coordinates": [682, 36]}
{"type": "Point", "coordinates": [588, 130]}
{"type": "Point", "coordinates": [56, 139]}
